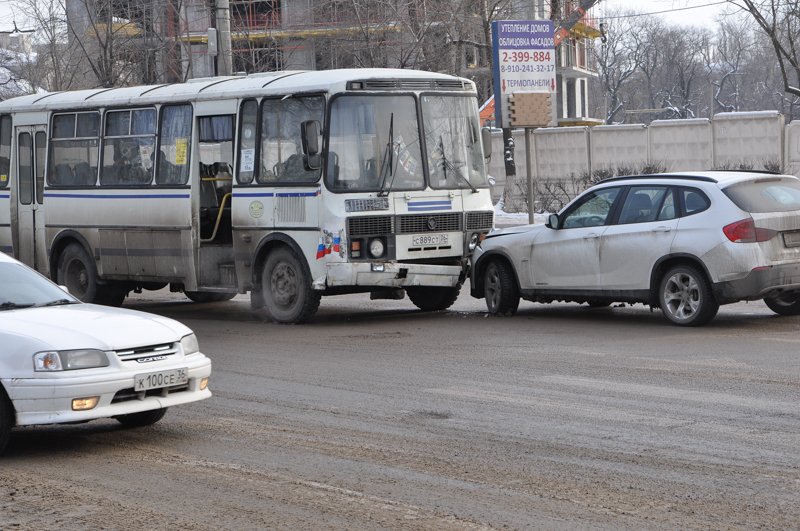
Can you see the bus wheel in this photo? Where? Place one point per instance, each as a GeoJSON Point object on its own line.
{"type": "Point", "coordinates": [111, 294]}
{"type": "Point", "coordinates": [76, 271]}
{"type": "Point", "coordinates": [286, 288]}
{"type": "Point", "coordinates": [431, 299]}
{"type": "Point", "coordinates": [208, 296]}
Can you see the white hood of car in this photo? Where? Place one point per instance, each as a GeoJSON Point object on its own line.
{"type": "Point", "coordinates": [78, 326]}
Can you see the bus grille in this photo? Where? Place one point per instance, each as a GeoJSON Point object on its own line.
{"type": "Point", "coordinates": [430, 223]}
{"type": "Point", "coordinates": [479, 220]}
{"type": "Point", "coordinates": [369, 225]}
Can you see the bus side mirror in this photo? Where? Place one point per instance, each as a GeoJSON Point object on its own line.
{"type": "Point", "coordinates": [552, 222]}
{"type": "Point", "coordinates": [486, 138]}
{"type": "Point", "coordinates": [309, 133]}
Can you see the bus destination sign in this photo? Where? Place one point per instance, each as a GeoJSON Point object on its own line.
{"type": "Point", "coordinates": [524, 61]}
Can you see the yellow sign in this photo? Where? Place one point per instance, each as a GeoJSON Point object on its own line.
{"type": "Point", "coordinates": [181, 149]}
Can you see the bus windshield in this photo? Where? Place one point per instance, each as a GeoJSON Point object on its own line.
{"type": "Point", "coordinates": [374, 144]}
{"type": "Point", "coordinates": [453, 141]}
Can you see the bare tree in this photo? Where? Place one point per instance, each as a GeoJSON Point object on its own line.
{"type": "Point", "coordinates": [780, 21]}
{"type": "Point", "coordinates": [618, 59]}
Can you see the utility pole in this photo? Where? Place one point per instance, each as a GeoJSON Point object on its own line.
{"type": "Point", "coordinates": [222, 21]}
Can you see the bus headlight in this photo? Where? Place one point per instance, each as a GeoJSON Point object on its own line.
{"type": "Point", "coordinates": [376, 247]}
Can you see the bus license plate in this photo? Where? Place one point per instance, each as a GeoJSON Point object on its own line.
{"type": "Point", "coordinates": [422, 240]}
{"type": "Point", "coordinates": [156, 380]}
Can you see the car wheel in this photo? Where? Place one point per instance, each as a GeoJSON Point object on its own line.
{"type": "Point", "coordinates": [143, 418]}
{"type": "Point", "coordinates": [685, 297]}
{"type": "Point", "coordinates": [785, 304]}
{"type": "Point", "coordinates": [431, 299]}
{"type": "Point", "coordinates": [500, 289]}
{"type": "Point", "coordinates": [77, 271]}
{"type": "Point", "coordinates": [208, 296]}
{"type": "Point", "coordinates": [6, 420]}
{"type": "Point", "coordinates": [286, 288]}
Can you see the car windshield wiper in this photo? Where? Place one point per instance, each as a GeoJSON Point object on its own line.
{"type": "Point", "coordinates": [13, 305]}
{"type": "Point", "coordinates": [59, 302]}
{"type": "Point", "coordinates": [447, 165]}
{"type": "Point", "coordinates": [388, 161]}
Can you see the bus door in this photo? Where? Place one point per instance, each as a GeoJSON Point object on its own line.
{"type": "Point", "coordinates": [31, 150]}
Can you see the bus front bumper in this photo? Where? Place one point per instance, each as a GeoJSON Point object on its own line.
{"type": "Point", "coordinates": [393, 275]}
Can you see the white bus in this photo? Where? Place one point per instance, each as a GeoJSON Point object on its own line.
{"type": "Point", "coordinates": [287, 185]}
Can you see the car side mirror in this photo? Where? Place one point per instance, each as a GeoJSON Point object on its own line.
{"type": "Point", "coordinates": [552, 222]}
{"type": "Point", "coordinates": [486, 139]}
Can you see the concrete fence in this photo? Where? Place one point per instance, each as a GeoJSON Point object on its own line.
{"type": "Point", "coordinates": [747, 140]}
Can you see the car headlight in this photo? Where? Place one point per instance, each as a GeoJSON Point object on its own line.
{"type": "Point", "coordinates": [69, 360]}
{"type": "Point", "coordinates": [190, 345]}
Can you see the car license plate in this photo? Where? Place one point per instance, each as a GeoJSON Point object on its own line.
{"type": "Point", "coordinates": [791, 239]}
{"type": "Point", "coordinates": [156, 380]}
{"type": "Point", "coordinates": [429, 239]}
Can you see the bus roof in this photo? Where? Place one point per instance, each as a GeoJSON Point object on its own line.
{"type": "Point", "coordinates": [283, 82]}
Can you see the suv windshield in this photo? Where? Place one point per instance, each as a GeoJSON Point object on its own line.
{"type": "Point", "coordinates": [23, 287]}
{"type": "Point", "coordinates": [453, 141]}
{"type": "Point", "coordinates": [769, 194]}
{"type": "Point", "coordinates": [368, 133]}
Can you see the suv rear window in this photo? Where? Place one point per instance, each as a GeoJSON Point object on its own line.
{"type": "Point", "coordinates": [773, 194]}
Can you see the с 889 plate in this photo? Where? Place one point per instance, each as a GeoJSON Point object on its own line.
{"type": "Point", "coordinates": [429, 239]}
{"type": "Point", "coordinates": [156, 380]}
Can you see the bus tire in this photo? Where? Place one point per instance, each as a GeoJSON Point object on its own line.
{"type": "Point", "coordinates": [286, 288]}
{"type": "Point", "coordinates": [77, 271]}
{"type": "Point", "coordinates": [432, 299]}
{"type": "Point", "coordinates": [208, 296]}
{"type": "Point", "coordinates": [111, 294]}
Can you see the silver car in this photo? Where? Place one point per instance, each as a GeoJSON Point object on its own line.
{"type": "Point", "coordinates": [683, 242]}
{"type": "Point", "coordinates": [63, 361]}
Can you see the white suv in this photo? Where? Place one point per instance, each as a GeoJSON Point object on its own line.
{"type": "Point", "coordinates": [686, 243]}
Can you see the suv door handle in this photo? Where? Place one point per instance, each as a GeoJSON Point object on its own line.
{"type": "Point", "coordinates": [662, 229]}
{"type": "Point", "coordinates": [592, 236]}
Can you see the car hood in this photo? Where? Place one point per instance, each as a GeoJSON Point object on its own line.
{"type": "Point", "coordinates": [77, 326]}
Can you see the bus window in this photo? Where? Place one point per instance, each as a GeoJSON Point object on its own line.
{"type": "Point", "coordinates": [128, 147]}
{"type": "Point", "coordinates": [216, 146]}
{"type": "Point", "coordinates": [282, 157]}
{"type": "Point", "coordinates": [41, 151]}
{"type": "Point", "coordinates": [25, 169]}
{"type": "Point", "coordinates": [174, 151]}
{"type": "Point", "coordinates": [74, 149]}
{"type": "Point", "coordinates": [5, 150]}
{"type": "Point", "coordinates": [374, 143]}
{"type": "Point", "coordinates": [247, 142]}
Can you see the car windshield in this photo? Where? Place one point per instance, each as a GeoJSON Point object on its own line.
{"type": "Point", "coordinates": [771, 194]}
{"type": "Point", "coordinates": [453, 142]}
{"type": "Point", "coordinates": [23, 288]}
{"type": "Point", "coordinates": [373, 144]}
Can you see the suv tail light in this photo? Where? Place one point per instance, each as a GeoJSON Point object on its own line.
{"type": "Point", "coordinates": [745, 231]}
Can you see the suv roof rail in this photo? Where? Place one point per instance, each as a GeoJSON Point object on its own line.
{"type": "Point", "coordinates": [660, 176]}
{"type": "Point", "coordinates": [742, 170]}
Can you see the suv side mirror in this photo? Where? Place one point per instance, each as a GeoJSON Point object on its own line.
{"type": "Point", "coordinates": [552, 222]}
{"type": "Point", "coordinates": [486, 139]}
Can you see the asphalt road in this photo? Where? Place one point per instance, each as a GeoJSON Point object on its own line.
{"type": "Point", "coordinates": [379, 416]}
